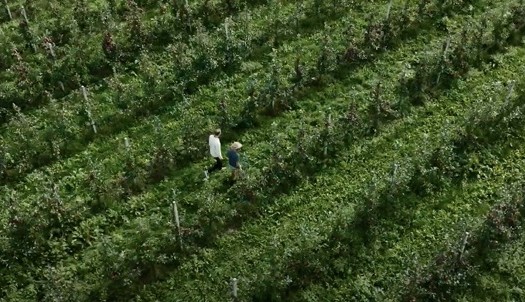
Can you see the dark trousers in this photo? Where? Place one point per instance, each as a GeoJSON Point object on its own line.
{"type": "Point", "coordinates": [217, 166]}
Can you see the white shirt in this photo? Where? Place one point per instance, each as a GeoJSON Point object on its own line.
{"type": "Point", "coordinates": [215, 146]}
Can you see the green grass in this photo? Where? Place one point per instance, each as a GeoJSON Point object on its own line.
{"type": "Point", "coordinates": [358, 225]}
{"type": "Point", "coordinates": [314, 209]}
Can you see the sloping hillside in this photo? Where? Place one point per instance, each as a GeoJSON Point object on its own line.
{"type": "Point", "coordinates": [382, 150]}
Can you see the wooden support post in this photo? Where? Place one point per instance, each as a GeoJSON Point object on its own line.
{"type": "Point", "coordinates": [509, 93]}
{"type": "Point", "coordinates": [16, 108]}
{"type": "Point", "coordinates": [56, 194]}
{"type": "Point", "coordinates": [445, 50]}
{"type": "Point", "coordinates": [93, 125]}
{"type": "Point", "coordinates": [235, 288]}
{"type": "Point", "coordinates": [92, 122]}
{"type": "Point", "coordinates": [84, 93]}
{"type": "Point", "coordinates": [8, 10]}
{"type": "Point", "coordinates": [226, 29]}
{"type": "Point", "coordinates": [389, 7]}
{"type": "Point", "coordinates": [51, 49]}
{"type": "Point", "coordinates": [24, 14]}
{"type": "Point", "coordinates": [176, 219]}
{"type": "Point", "coordinates": [447, 46]}
{"type": "Point", "coordinates": [328, 126]}
{"type": "Point", "coordinates": [463, 244]}
{"type": "Point", "coordinates": [394, 175]}
{"type": "Point", "coordinates": [187, 8]}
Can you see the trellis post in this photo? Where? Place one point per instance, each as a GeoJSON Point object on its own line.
{"type": "Point", "coordinates": [176, 218]}
{"type": "Point", "coordinates": [463, 244]}
{"type": "Point", "coordinates": [234, 288]}
{"type": "Point", "coordinates": [511, 88]}
{"type": "Point", "coordinates": [92, 122]}
{"type": "Point", "coordinates": [389, 7]}
{"type": "Point", "coordinates": [8, 10]}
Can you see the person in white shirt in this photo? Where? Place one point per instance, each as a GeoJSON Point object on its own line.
{"type": "Point", "coordinates": [215, 151]}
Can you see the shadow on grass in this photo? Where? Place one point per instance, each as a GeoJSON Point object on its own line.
{"type": "Point", "coordinates": [394, 207]}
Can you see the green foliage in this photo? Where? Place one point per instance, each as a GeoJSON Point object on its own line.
{"type": "Point", "coordinates": [341, 153]}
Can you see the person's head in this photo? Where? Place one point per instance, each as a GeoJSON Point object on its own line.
{"type": "Point", "coordinates": [217, 132]}
{"type": "Point", "coordinates": [236, 146]}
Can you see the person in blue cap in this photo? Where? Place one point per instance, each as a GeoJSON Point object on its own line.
{"type": "Point", "coordinates": [234, 160]}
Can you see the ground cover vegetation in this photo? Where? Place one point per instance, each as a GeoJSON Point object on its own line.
{"type": "Point", "coordinates": [383, 150]}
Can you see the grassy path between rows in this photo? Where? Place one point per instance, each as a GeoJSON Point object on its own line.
{"type": "Point", "coordinates": [410, 231]}
{"type": "Point", "coordinates": [262, 248]}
